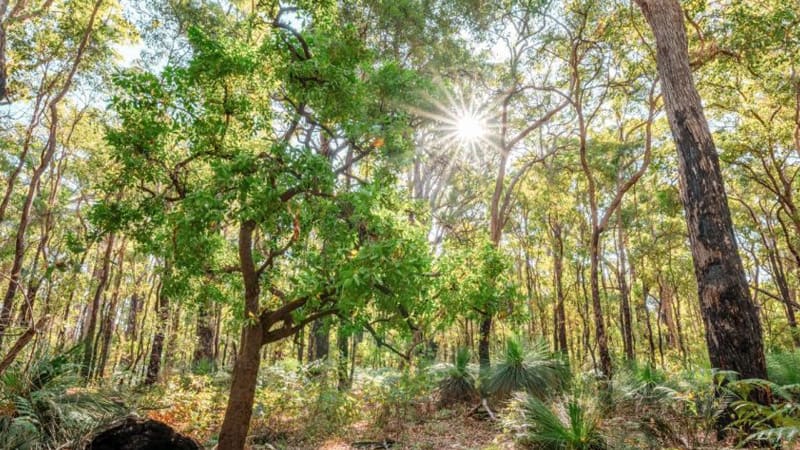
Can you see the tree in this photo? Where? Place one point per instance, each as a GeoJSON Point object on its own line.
{"type": "Point", "coordinates": [733, 331]}
{"type": "Point", "coordinates": [213, 185]}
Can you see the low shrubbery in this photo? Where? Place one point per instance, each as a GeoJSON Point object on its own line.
{"type": "Point", "coordinates": [44, 406]}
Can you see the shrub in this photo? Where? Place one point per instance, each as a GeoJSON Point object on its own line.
{"type": "Point", "coordinates": [570, 426]}
{"type": "Point", "coordinates": [535, 371]}
{"type": "Point", "coordinates": [775, 424]}
{"type": "Point", "coordinates": [457, 384]}
{"type": "Point", "coordinates": [784, 367]}
{"type": "Point", "coordinates": [42, 408]}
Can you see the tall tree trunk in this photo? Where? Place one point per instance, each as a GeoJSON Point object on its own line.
{"type": "Point", "coordinates": [485, 332]}
{"type": "Point", "coordinates": [300, 340]}
{"type": "Point", "coordinates": [559, 314]}
{"type": "Point", "coordinates": [33, 182]}
{"type": "Point", "coordinates": [646, 314]}
{"type": "Point", "coordinates": [495, 234]}
{"type": "Point", "coordinates": [733, 332]}
{"type": "Point", "coordinates": [203, 356]}
{"type": "Point", "coordinates": [236, 423]}
{"type": "Point", "coordinates": [107, 330]}
{"type": "Point", "coordinates": [597, 308]}
{"type": "Point", "coordinates": [320, 334]}
{"type": "Point", "coordinates": [342, 344]}
{"type": "Point", "coordinates": [624, 293]}
{"type": "Point", "coordinates": [94, 309]}
{"type": "Point", "coordinates": [172, 337]}
{"type": "Point", "coordinates": [162, 320]}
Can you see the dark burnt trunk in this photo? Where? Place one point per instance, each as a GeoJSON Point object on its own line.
{"type": "Point", "coordinates": [154, 362]}
{"type": "Point", "coordinates": [597, 308]}
{"type": "Point", "coordinates": [559, 314]}
{"type": "Point", "coordinates": [483, 342]}
{"type": "Point", "coordinates": [320, 334]}
{"type": "Point", "coordinates": [157, 348]}
{"type": "Point", "coordinates": [342, 344]}
{"type": "Point", "coordinates": [299, 341]}
{"type": "Point", "coordinates": [203, 356]}
{"type": "Point", "coordinates": [733, 332]}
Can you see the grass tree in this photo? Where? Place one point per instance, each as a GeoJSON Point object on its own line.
{"type": "Point", "coordinates": [533, 370]}
{"type": "Point", "coordinates": [571, 426]}
{"type": "Point", "coordinates": [458, 384]}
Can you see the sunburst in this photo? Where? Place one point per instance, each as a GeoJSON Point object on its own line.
{"type": "Point", "coordinates": [464, 123]}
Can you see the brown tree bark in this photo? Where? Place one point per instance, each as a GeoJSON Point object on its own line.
{"type": "Point", "coordinates": [599, 222]}
{"type": "Point", "coordinates": [94, 307]}
{"type": "Point", "coordinates": [320, 335]}
{"type": "Point", "coordinates": [342, 344]}
{"type": "Point", "coordinates": [107, 328]}
{"type": "Point", "coordinates": [559, 314]}
{"type": "Point", "coordinates": [203, 356]}
{"type": "Point", "coordinates": [626, 322]}
{"type": "Point", "coordinates": [733, 331]}
{"type": "Point", "coordinates": [157, 347]}
{"type": "Point", "coordinates": [21, 342]}
{"type": "Point", "coordinates": [646, 314]}
{"type": "Point", "coordinates": [233, 434]}
{"type": "Point", "coordinates": [665, 312]}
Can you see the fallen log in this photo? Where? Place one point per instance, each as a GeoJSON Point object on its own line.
{"type": "Point", "coordinates": [136, 433]}
{"type": "Point", "coordinates": [375, 445]}
{"type": "Point", "coordinates": [482, 406]}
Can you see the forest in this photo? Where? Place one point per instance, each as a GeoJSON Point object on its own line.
{"type": "Point", "coordinates": [405, 224]}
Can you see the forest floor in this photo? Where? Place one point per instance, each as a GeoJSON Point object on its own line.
{"type": "Point", "coordinates": [197, 409]}
{"type": "Point", "coordinates": [453, 430]}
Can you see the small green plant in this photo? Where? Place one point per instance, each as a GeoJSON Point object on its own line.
{"type": "Point", "coordinates": [41, 408]}
{"type": "Point", "coordinates": [784, 367]}
{"type": "Point", "coordinates": [399, 398]}
{"type": "Point", "coordinates": [775, 424]}
{"type": "Point", "coordinates": [457, 385]}
{"type": "Point", "coordinates": [570, 426]}
{"type": "Point", "coordinates": [638, 387]}
{"type": "Point", "coordinates": [534, 371]}
{"type": "Point", "coordinates": [303, 400]}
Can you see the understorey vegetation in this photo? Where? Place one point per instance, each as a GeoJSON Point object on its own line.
{"type": "Point", "coordinates": [416, 224]}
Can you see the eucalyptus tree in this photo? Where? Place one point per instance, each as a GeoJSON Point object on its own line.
{"type": "Point", "coordinates": [77, 50]}
{"type": "Point", "coordinates": [756, 89]}
{"type": "Point", "coordinates": [733, 331]}
{"type": "Point", "coordinates": [548, 214]}
{"type": "Point", "coordinates": [605, 85]}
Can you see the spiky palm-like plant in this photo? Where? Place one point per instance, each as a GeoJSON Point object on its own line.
{"type": "Point", "coordinates": [533, 370]}
{"type": "Point", "coordinates": [457, 385]}
{"type": "Point", "coordinates": [638, 385]}
{"type": "Point", "coordinates": [574, 427]}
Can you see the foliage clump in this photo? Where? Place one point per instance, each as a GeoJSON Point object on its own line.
{"type": "Point", "coordinates": [43, 406]}
{"type": "Point", "coordinates": [458, 384]}
{"type": "Point", "coordinates": [568, 425]}
{"type": "Point", "coordinates": [533, 370]}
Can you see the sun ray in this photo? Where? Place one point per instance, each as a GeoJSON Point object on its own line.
{"type": "Point", "coordinates": [466, 124]}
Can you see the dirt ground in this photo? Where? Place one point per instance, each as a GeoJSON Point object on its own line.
{"type": "Point", "coordinates": [450, 429]}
